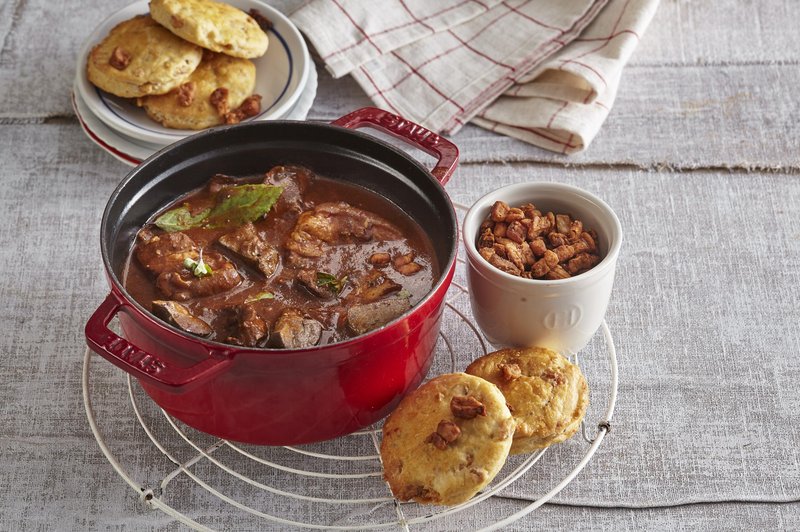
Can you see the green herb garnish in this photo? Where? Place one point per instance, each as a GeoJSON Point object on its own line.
{"type": "Point", "coordinates": [242, 204]}
{"type": "Point", "coordinates": [326, 279]}
{"type": "Point", "coordinates": [235, 206]}
{"type": "Point", "coordinates": [198, 267]}
{"type": "Point", "coordinates": [259, 296]}
{"type": "Point", "coordinates": [180, 219]}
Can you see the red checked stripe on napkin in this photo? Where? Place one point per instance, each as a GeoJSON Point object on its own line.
{"type": "Point", "coordinates": [442, 64]}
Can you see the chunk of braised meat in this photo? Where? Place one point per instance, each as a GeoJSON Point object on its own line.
{"type": "Point", "coordinates": [364, 318]}
{"type": "Point", "coordinates": [294, 331]}
{"type": "Point", "coordinates": [183, 284]}
{"type": "Point", "coordinates": [331, 224]}
{"type": "Point", "coordinates": [253, 330]}
{"type": "Point", "coordinates": [161, 252]}
{"type": "Point", "coordinates": [247, 242]}
{"type": "Point", "coordinates": [178, 315]}
{"type": "Point", "coordinates": [308, 279]}
{"type": "Point", "coordinates": [375, 285]}
{"type": "Point", "coordinates": [294, 180]}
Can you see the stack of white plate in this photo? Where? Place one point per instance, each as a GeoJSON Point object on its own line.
{"type": "Point", "coordinates": [286, 79]}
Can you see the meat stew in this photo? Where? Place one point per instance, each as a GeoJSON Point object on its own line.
{"type": "Point", "coordinates": [288, 259]}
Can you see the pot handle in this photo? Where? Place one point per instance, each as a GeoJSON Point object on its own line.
{"type": "Point", "coordinates": [139, 363]}
{"type": "Point", "coordinates": [445, 151]}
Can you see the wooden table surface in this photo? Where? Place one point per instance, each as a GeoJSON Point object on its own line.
{"type": "Point", "coordinates": [705, 126]}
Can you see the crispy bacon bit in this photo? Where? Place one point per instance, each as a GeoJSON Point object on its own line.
{"type": "Point", "coordinates": [510, 372]}
{"type": "Point", "coordinates": [446, 432]}
{"type": "Point", "coordinates": [564, 252]}
{"type": "Point", "coordinates": [505, 265]}
{"type": "Point", "coordinates": [405, 265]}
{"type": "Point", "coordinates": [263, 22]}
{"type": "Point", "coordinates": [119, 59]}
{"type": "Point", "coordinates": [517, 232]}
{"type": "Point", "coordinates": [556, 378]}
{"type": "Point", "coordinates": [499, 211]}
{"type": "Point", "coordinates": [251, 106]}
{"type": "Point", "coordinates": [186, 94]}
{"type": "Point", "coordinates": [557, 239]}
{"type": "Point", "coordinates": [582, 262]}
{"type": "Point", "coordinates": [487, 239]}
{"type": "Point", "coordinates": [514, 214]}
{"type": "Point", "coordinates": [409, 269]}
{"type": "Point", "coordinates": [399, 260]}
{"type": "Point", "coordinates": [219, 99]}
{"type": "Point", "coordinates": [530, 210]}
{"type": "Point", "coordinates": [538, 247]}
{"type": "Point", "coordinates": [466, 407]}
{"type": "Point", "coordinates": [557, 273]}
{"type": "Point", "coordinates": [176, 22]}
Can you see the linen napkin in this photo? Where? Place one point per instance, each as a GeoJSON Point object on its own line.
{"type": "Point", "coordinates": [545, 71]}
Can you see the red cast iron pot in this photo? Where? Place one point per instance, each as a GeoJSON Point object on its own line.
{"type": "Point", "coordinates": [271, 396]}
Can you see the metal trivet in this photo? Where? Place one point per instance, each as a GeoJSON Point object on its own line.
{"type": "Point", "coordinates": [334, 485]}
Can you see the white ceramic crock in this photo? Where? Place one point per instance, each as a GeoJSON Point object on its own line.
{"type": "Point", "coordinates": [561, 314]}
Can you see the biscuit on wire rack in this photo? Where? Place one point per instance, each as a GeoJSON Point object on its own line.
{"type": "Point", "coordinates": [547, 394]}
{"type": "Point", "coordinates": [139, 57]}
{"type": "Point", "coordinates": [446, 440]}
{"type": "Point", "coordinates": [208, 98]}
{"type": "Point", "coordinates": [213, 25]}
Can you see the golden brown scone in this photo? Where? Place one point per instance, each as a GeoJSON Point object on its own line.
{"type": "Point", "coordinates": [195, 104]}
{"type": "Point", "coordinates": [547, 394]}
{"type": "Point", "coordinates": [138, 57]}
{"type": "Point", "coordinates": [212, 25]}
{"type": "Point", "coordinates": [435, 452]}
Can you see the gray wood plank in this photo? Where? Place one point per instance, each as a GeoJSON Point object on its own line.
{"type": "Point", "coordinates": [700, 302]}
{"type": "Point", "coordinates": [693, 97]}
{"type": "Point", "coordinates": [743, 117]}
{"type": "Point", "coordinates": [691, 32]}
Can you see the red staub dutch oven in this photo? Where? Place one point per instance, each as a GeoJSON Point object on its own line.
{"type": "Point", "coordinates": [271, 396]}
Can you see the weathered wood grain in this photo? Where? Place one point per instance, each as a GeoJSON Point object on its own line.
{"type": "Point", "coordinates": [703, 313]}
{"type": "Point", "coordinates": [743, 117]}
{"type": "Point", "coordinates": [713, 33]}
{"type": "Point", "coordinates": [712, 86]}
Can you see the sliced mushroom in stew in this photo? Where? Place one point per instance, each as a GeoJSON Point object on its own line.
{"type": "Point", "coordinates": [287, 259]}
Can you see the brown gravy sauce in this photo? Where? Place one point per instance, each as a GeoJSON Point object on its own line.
{"type": "Point", "coordinates": [347, 259]}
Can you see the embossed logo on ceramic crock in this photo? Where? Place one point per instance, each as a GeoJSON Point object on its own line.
{"type": "Point", "coordinates": [135, 356]}
{"type": "Point", "coordinates": [563, 319]}
{"type": "Point", "coordinates": [423, 136]}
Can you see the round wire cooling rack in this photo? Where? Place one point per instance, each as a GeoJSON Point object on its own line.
{"type": "Point", "coordinates": [206, 482]}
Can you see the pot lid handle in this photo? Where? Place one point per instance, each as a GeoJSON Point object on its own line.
{"type": "Point", "coordinates": [139, 363]}
{"type": "Point", "coordinates": [426, 140]}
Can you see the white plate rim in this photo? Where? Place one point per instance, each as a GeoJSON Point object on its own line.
{"type": "Point", "coordinates": [297, 52]}
{"type": "Point", "coordinates": [132, 151]}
